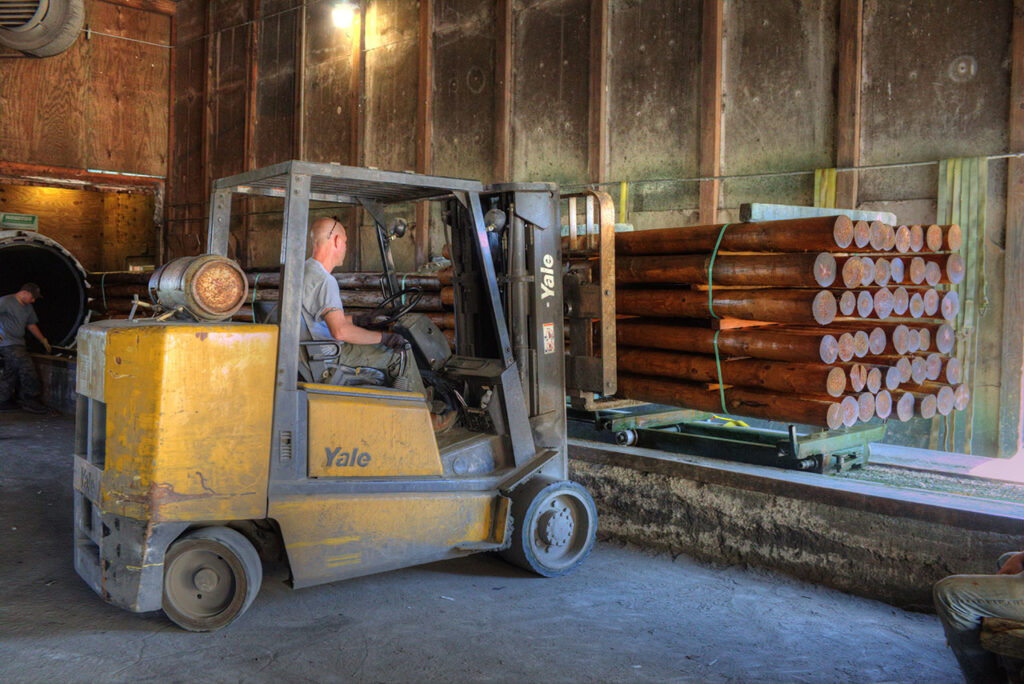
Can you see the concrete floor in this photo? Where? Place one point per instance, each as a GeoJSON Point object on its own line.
{"type": "Point", "coordinates": [625, 615]}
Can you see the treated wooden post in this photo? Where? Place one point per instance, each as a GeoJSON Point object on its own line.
{"type": "Point", "coordinates": [1011, 392]}
{"type": "Point", "coordinates": [851, 15]}
{"type": "Point", "coordinates": [710, 108]}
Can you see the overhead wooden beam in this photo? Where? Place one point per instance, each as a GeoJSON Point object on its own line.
{"type": "Point", "coordinates": [598, 134]}
{"type": "Point", "coordinates": [710, 107]}
{"type": "Point", "coordinates": [166, 7]}
{"type": "Point", "coordinates": [424, 124]}
{"type": "Point", "coordinates": [1011, 391]}
{"type": "Point", "coordinates": [503, 91]}
{"type": "Point", "coordinates": [851, 21]}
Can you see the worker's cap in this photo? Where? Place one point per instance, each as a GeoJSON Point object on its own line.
{"type": "Point", "coordinates": [33, 290]}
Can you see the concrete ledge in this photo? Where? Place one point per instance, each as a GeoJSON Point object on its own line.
{"type": "Point", "coordinates": [868, 539]}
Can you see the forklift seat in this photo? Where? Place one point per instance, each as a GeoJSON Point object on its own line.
{"type": "Point", "coordinates": [320, 366]}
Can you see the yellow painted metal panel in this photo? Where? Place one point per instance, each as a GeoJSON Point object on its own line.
{"type": "Point", "coordinates": [370, 435]}
{"type": "Point", "coordinates": [91, 362]}
{"type": "Point", "coordinates": [188, 420]}
{"type": "Point", "coordinates": [337, 536]}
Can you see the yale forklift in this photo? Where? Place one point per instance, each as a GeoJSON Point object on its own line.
{"type": "Point", "coordinates": [204, 444]}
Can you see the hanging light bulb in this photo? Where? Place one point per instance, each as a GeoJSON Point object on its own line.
{"type": "Point", "coordinates": [343, 13]}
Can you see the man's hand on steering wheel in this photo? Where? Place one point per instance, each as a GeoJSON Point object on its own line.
{"type": "Point", "coordinates": [408, 297]}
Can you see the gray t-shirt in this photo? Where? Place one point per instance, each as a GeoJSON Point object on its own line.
{"type": "Point", "coordinates": [14, 318]}
{"type": "Point", "coordinates": [320, 296]}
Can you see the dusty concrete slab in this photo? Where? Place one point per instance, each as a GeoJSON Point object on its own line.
{"type": "Point", "coordinates": [626, 615]}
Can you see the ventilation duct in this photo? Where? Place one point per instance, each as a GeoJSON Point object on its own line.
{"type": "Point", "coordinates": [27, 257]}
{"type": "Point", "coordinates": [40, 28]}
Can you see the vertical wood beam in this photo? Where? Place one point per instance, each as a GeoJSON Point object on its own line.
{"type": "Point", "coordinates": [710, 107]}
{"type": "Point", "coordinates": [424, 125]}
{"type": "Point", "coordinates": [207, 127]}
{"type": "Point", "coordinates": [1011, 391]}
{"type": "Point", "coordinates": [172, 75]}
{"type": "Point", "coordinates": [503, 71]}
{"type": "Point", "coordinates": [598, 134]}
{"type": "Point", "coordinates": [851, 22]}
{"type": "Point", "coordinates": [252, 80]}
{"type": "Point", "coordinates": [298, 141]}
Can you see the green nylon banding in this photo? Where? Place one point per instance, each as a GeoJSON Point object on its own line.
{"type": "Point", "coordinates": [718, 365]}
{"type": "Point", "coordinates": [254, 284]}
{"type": "Point", "coordinates": [711, 266]}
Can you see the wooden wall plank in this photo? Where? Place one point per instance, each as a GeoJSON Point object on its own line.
{"type": "Point", "coordinates": [327, 99]}
{"type": "Point", "coordinates": [227, 104]}
{"type": "Point", "coordinates": [503, 69]}
{"type": "Point", "coordinates": [99, 228]}
{"type": "Point", "coordinates": [424, 124]}
{"type": "Point", "coordinates": [166, 7]}
{"type": "Point", "coordinates": [127, 91]}
{"type": "Point", "coordinates": [597, 155]}
{"type": "Point", "coordinates": [851, 22]}
{"type": "Point", "coordinates": [1011, 393]}
{"type": "Point", "coordinates": [275, 105]}
{"type": "Point", "coordinates": [464, 89]}
{"type": "Point", "coordinates": [551, 88]}
{"type": "Point", "coordinates": [43, 109]}
{"type": "Point", "coordinates": [711, 108]}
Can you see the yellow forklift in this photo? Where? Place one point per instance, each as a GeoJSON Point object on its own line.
{"type": "Point", "coordinates": [203, 444]}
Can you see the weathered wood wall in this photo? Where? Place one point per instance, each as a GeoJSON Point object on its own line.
{"type": "Point", "coordinates": [516, 94]}
{"type": "Point", "coordinates": [102, 104]}
{"type": "Point", "coordinates": [99, 228]}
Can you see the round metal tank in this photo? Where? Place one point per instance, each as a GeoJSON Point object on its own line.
{"type": "Point", "coordinates": [28, 257]}
{"type": "Point", "coordinates": [209, 287]}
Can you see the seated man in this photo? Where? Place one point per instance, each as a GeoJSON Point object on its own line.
{"type": "Point", "coordinates": [324, 317]}
{"type": "Point", "coordinates": [963, 600]}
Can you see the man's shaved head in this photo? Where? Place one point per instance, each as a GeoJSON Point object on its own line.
{"type": "Point", "coordinates": [329, 242]}
{"type": "Point", "coordinates": [322, 230]}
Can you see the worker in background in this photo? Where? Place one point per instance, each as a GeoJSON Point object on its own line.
{"type": "Point", "coordinates": [16, 316]}
{"type": "Point", "coordinates": [963, 600]}
{"type": "Point", "coordinates": [324, 316]}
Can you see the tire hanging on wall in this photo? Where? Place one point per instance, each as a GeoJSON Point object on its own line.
{"type": "Point", "coordinates": [52, 28]}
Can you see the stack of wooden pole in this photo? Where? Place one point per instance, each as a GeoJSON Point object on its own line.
{"type": "Point", "coordinates": [819, 321]}
{"type": "Point", "coordinates": [111, 294]}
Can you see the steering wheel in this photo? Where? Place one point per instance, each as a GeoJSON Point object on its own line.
{"type": "Point", "coordinates": [393, 313]}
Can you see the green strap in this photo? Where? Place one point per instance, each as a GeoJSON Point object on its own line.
{"type": "Point", "coordinates": [718, 365]}
{"type": "Point", "coordinates": [254, 284]}
{"type": "Point", "coordinates": [103, 291]}
{"type": "Point", "coordinates": [711, 268]}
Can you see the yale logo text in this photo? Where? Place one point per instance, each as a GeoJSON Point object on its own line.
{"type": "Point", "coordinates": [337, 457]}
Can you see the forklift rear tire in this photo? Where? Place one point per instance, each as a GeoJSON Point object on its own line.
{"type": "Point", "coordinates": [211, 576]}
{"type": "Point", "coordinates": [555, 523]}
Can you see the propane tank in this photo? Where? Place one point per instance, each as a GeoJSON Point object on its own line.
{"type": "Point", "coordinates": [209, 287]}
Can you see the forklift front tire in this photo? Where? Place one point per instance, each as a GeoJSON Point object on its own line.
{"type": "Point", "coordinates": [555, 523]}
{"type": "Point", "coordinates": [211, 576]}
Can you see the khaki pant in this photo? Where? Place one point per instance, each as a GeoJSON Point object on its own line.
{"type": "Point", "coordinates": [962, 601]}
{"type": "Point", "coordinates": [387, 360]}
